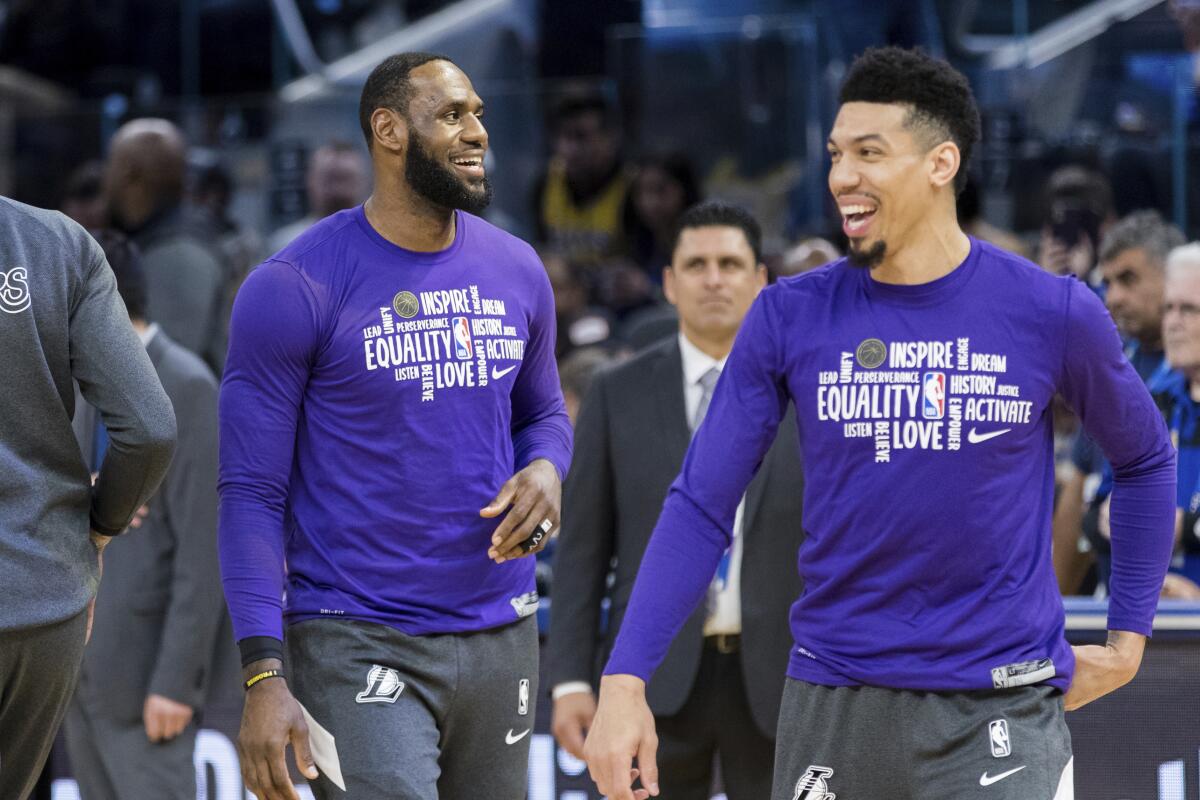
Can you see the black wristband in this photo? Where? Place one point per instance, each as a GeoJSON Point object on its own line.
{"type": "Point", "coordinates": [256, 648]}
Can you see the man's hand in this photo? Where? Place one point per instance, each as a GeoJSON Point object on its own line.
{"type": "Point", "coordinates": [1102, 521]}
{"type": "Point", "coordinates": [1177, 587]}
{"type": "Point", "coordinates": [270, 719]}
{"type": "Point", "coordinates": [1055, 256]}
{"type": "Point", "coordinates": [139, 517]}
{"type": "Point", "coordinates": [535, 494]}
{"type": "Point", "coordinates": [572, 716]}
{"type": "Point", "coordinates": [623, 728]}
{"type": "Point", "coordinates": [99, 541]}
{"type": "Point", "coordinates": [164, 718]}
{"type": "Point", "coordinates": [1103, 669]}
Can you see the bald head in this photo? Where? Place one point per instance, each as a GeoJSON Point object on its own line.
{"type": "Point", "coordinates": [145, 170]}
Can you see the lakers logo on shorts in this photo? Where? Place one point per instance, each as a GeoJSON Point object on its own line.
{"type": "Point", "coordinates": [14, 291]}
{"type": "Point", "coordinates": [383, 686]}
{"type": "Point", "coordinates": [406, 304]}
{"type": "Point", "coordinates": [814, 785]}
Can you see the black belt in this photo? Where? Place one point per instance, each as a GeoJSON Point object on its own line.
{"type": "Point", "coordinates": [724, 643]}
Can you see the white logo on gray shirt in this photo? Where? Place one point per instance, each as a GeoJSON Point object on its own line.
{"type": "Point", "coordinates": [14, 291]}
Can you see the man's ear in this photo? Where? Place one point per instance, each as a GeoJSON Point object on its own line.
{"type": "Point", "coordinates": [944, 163]}
{"type": "Point", "coordinates": [390, 130]}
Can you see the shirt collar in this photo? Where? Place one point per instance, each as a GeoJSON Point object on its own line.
{"type": "Point", "coordinates": [695, 361]}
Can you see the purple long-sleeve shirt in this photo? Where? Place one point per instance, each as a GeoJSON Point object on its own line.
{"type": "Point", "coordinates": [926, 428]}
{"type": "Point", "coordinates": [374, 400]}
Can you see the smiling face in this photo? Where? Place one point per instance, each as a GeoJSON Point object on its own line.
{"type": "Point", "coordinates": [446, 139]}
{"type": "Point", "coordinates": [712, 280]}
{"type": "Point", "coordinates": [886, 176]}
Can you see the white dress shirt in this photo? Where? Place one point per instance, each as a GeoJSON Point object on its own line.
{"type": "Point", "coordinates": [725, 607]}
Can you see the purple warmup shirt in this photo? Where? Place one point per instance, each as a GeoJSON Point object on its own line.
{"type": "Point", "coordinates": [374, 400]}
{"type": "Point", "coordinates": [925, 425]}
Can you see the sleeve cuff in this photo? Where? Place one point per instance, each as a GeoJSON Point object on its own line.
{"type": "Point", "coordinates": [256, 648]}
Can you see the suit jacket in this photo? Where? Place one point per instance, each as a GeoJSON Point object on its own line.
{"type": "Point", "coordinates": [630, 441]}
{"type": "Point", "coordinates": [159, 607]}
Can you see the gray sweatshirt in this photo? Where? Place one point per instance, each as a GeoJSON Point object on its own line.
{"type": "Point", "coordinates": [62, 319]}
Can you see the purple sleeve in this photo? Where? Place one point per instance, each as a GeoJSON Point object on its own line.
{"type": "Point", "coordinates": [540, 425]}
{"type": "Point", "coordinates": [273, 337]}
{"type": "Point", "coordinates": [1119, 414]}
{"type": "Point", "coordinates": [695, 526]}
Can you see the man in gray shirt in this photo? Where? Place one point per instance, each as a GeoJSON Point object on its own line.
{"type": "Point", "coordinates": [61, 320]}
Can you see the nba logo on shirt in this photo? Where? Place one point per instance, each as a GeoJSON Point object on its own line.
{"type": "Point", "coordinates": [462, 339]}
{"type": "Point", "coordinates": [933, 395]}
{"type": "Point", "coordinates": [1001, 746]}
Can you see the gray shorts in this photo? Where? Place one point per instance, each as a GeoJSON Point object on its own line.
{"type": "Point", "coordinates": [867, 743]}
{"type": "Point", "coordinates": [439, 717]}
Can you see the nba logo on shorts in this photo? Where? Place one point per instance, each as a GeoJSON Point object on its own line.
{"type": "Point", "coordinates": [1001, 745]}
{"type": "Point", "coordinates": [462, 339]}
{"type": "Point", "coordinates": [933, 395]}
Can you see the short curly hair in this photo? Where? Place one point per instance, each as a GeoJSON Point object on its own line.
{"type": "Point", "coordinates": [939, 97]}
{"type": "Point", "coordinates": [388, 86]}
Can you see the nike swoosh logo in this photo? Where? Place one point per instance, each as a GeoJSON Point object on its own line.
{"type": "Point", "coordinates": [510, 739]}
{"type": "Point", "coordinates": [984, 780]}
{"type": "Point", "coordinates": [497, 374]}
{"type": "Point", "coordinates": [976, 438]}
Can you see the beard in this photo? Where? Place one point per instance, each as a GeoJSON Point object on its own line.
{"type": "Point", "coordinates": [438, 184]}
{"type": "Point", "coordinates": [867, 257]}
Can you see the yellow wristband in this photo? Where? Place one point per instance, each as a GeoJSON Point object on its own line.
{"type": "Point", "coordinates": [262, 676]}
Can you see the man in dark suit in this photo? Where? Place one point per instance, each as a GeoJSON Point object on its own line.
{"type": "Point", "coordinates": [131, 728]}
{"type": "Point", "coordinates": [719, 689]}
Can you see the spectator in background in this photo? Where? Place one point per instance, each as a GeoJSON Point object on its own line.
{"type": "Point", "coordinates": [575, 373]}
{"type": "Point", "coordinates": [1079, 208]}
{"type": "Point", "coordinates": [83, 196]}
{"type": "Point", "coordinates": [131, 727]}
{"type": "Point", "coordinates": [578, 323]}
{"type": "Point", "coordinates": [241, 246]}
{"type": "Point", "coordinates": [337, 178]}
{"type": "Point", "coordinates": [578, 202]}
{"type": "Point", "coordinates": [663, 188]}
{"type": "Point", "coordinates": [62, 319]}
{"type": "Point", "coordinates": [1176, 390]}
{"type": "Point", "coordinates": [185, 273]}
{"type": "Point", "coordinates": [1133, 255]}
{"type": "Point", "coordinates": [1178, 394]}
{"type": "Point", "coordinates": [717, 692]}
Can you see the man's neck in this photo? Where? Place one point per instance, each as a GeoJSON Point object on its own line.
{"type": "Point", "coordinates": [715, 347]}
{"type": "Point", "coordinates": [1150, 345]}
{"type": "Point", "coordinates": [140, 325]}
{"type": "Point", "coordinates": [406, 219]}
{"type": "Point", "coordinates": [934, 248]}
